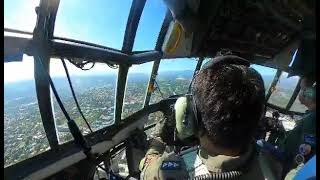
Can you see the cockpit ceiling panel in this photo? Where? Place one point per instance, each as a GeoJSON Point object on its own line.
{"type": "Point", "coordinates": [251, 29]}
{"type": "Point", "coordinates": [281, 60]}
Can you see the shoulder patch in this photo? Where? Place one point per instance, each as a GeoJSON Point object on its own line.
{"type": "Point", "coordinates": [170, 165]}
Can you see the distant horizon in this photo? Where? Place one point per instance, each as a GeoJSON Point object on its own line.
{"type": "Point", "coordinates": [24, 70]}
{"type": "Point", "coordinates": [101, 74]}
{"type": "Point", "coordinates": [19, 71]}
{"type": "Point", "coordinates": [75, 72]}
{"type": "Point", "coordinates": [94, 74]}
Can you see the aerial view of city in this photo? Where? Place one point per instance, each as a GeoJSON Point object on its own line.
{"type": "Point", "coordinates": [24, 134]}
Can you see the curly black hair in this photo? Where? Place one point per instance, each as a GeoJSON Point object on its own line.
{"type": "Point", "coordinates": [230, 99]}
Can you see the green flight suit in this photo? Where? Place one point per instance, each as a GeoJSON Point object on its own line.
{"type": "Point", "coordinates": [303, 133]}
{"type": "Point", "coordinates": [158, 165]}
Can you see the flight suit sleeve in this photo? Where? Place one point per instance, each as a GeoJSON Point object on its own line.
{"type": "Point", "coordinates": [149, 162]}
{"type": "Point", "coordinates": [157, 166]}
{"type": "Point", "coordinates": [309, 133]}
{"type": "Point", "coordinates": [300, 140]}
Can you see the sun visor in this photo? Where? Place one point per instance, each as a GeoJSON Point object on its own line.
{"type": "Point", "coordinates": [283, 59]}
{"type": "Point", "coordinates": [177, 42]}
{"type": "Point", "coordinates": [305, 60]}
{"type": "Point", "coordinates": [14, 48]}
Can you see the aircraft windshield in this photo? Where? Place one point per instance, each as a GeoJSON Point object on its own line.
{"type": "Point", "coordinates": [103, 23]}
{"type": "Point", "coordinates": [24, 135]}
{"type": "Point", "coordinates": [174, 77]}
{"type": "Point", "coordinates": [266, 73]}
{"type": "Point", "coordinates": [137, 82]}
{"type": "Point", "coordinates": [283, 90]}
{"type": "Point", "coordinates": [95, 92]}
{"type": "Point", "coordinates": [20, 14]}
{"type": "Point", "coordinates": [298, 107]}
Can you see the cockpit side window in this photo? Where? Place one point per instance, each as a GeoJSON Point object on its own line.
{"type": "Point", "coordinates": [267, 74]}
{"type": "Point", "coordinates": [297, 106]}
{"type": "Point", "coordinates": [24, 135]}
{"type": "Point", "coordinates": [174, 77]}
{"type": "Point", "coordinates": [283, 91]}
{"type": "Point", "coordinates": [136, 88]}
{"type": "Point", "coordinates": [95, 92]}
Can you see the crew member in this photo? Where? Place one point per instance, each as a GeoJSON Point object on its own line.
{"type": "Point", "coordinates": [300, 143]}
{"type": "Point", "coordinates": [230, 101]}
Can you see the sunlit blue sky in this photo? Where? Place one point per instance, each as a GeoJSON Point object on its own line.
{"type": "Point", "coordinates": [96, 21]}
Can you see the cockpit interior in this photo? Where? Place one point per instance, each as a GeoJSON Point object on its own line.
{"type": "Point", "coordinates": [84, 80]}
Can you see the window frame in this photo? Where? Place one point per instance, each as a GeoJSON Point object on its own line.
{"type": "Point", "coordinates": [292, 97]}
{"type": "Point", "coordinates": [275, 75]}
{"type": "Point", "coordinates": [145, 91]}
{"type": "Point", "coordinates": [295, 93]}
{"type": "Point", "coordinates": [53, 98]}
{"type": "Point", "coordinates": [154, 75]}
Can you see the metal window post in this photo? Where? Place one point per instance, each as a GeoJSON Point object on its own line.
{"type": "Point", "coordinates": [274, 83]}
{"type": "Point", "coordinates": [41, 50]}
{"type": "Point", "coordinates": [294, 95]}
{"type": "Point", "coordinates": [136, 9]}
{"type": "Point", "coordinates": [155, 67]}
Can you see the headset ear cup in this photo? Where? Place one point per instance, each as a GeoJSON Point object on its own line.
{"type": "Point", "coordinates": [310, 92]}
{"type": "Point", "coordinates": [184, 118]}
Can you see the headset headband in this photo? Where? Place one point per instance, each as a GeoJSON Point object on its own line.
{"type": "Point", "coordinates": [227, 59]}
{"type": "Point", "coordinates": [220, 60]}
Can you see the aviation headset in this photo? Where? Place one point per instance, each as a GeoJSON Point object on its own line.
{"type": "Point", "coordinates": [187, 116]}
{"type": "Point", "coordinates": [309, 92]}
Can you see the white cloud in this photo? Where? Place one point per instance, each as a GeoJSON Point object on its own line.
{"type": "Point", "coordinates": [23, 17]}
{"type": "Point", "coordinates": [14, 71]}
{"type": "Point", "coordinates": [21, 14]}
{"type": "Point", "coordinates": [17, 71]}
